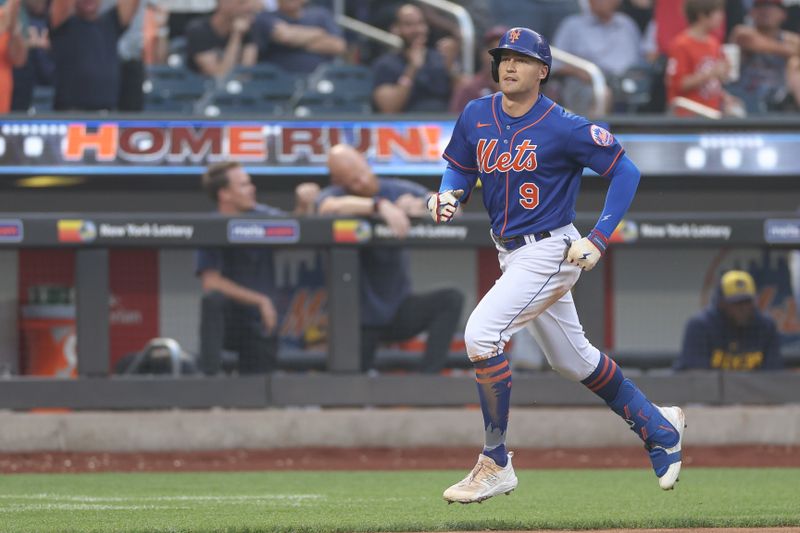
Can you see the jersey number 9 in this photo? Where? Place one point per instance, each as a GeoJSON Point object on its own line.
{"type": "Point", "coordinates": [529, 195]}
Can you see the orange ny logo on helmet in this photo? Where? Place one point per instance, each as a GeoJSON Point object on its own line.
{"type": "Point", "coordinates": [513, 35]}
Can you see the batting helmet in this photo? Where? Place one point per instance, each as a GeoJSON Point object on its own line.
{"type": "Point", "coordinates": [525, 41]}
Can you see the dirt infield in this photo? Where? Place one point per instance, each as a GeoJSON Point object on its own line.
{"type": "Point", "coordinates": [706, 530]}
{"type": "Point", "coordinates": [384, 459]}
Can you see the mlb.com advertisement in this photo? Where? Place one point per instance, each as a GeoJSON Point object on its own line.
{"type": "Point", "coordinates": [11, 231]}
{"type": "Point", "coordinates": [263, 231]}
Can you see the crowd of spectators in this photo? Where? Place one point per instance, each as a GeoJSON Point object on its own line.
{"type": "Point", "coordinates": [731, 56]}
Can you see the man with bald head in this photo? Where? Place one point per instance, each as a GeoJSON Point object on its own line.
{"type": "Point", "coordinates": [416, 78]}
{"type": "Point", "coordinates": [390, 312]}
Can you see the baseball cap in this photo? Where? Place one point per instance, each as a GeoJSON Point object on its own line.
{"type": "Point", "coordinates": [737, 286]}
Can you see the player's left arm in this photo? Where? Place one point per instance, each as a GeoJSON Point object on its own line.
{"type": "Point", "coordinates": [595, 147]}
{"type": "Point", "coordinates": [624, 175]}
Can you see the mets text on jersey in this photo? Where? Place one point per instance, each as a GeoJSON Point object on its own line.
{"type": "Point", "coordinates": [524, 159]}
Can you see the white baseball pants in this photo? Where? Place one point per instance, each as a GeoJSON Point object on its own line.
{"type": "Point", "coordinates": [534, 292]}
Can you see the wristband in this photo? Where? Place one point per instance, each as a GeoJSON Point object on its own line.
{"type": "Point", "coordinates": [598, 239]}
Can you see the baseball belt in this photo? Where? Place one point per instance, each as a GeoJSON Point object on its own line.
{"type": "Point", "coordinates": [512, 243]}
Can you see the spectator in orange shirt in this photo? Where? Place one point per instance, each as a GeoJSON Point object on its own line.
{"type": "Point", "coordinates": [38, 69]}
{"type": "Point", "coordinates": [13, 51]}
{"type": "Point", "coordinates": [697, 68]}
{"type": "Point", "coordinates": [670, 21]}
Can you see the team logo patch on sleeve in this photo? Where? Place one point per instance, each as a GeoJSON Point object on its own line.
{"type": "Point", "coordinates": [600, 136]}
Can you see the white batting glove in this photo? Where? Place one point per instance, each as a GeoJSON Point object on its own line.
{"type": "Point", "coordinates": [586, 252]}
{"type": "Point", "coordinates": [443, 205]}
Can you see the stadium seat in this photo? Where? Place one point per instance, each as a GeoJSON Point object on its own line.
{"type": "Point", "coordinates": [42, 101]}
{"type": "Point", "coordinates": [272, 75]}
{"type": "Point", "coordinates": [167, 72]}
{"type": "Point", "coordinates": [259, 72]}
{"type": "Point", "coordinates": [176, 53]}
{"type": "Point", "coordinates": [632, 89]}
{"type": "Point", "coordinates": [168, 89]}
{"type": "Point", "coordinates": [336, 88]}
{"type": "Point", "coordinates": [314, 103]}
{"type": "Point", "coordinates": [334, 78]}
{"type": "Point", "coordinates": [271, 96]}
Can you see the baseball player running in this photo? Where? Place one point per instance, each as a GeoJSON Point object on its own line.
{"type": "Point", "coordinates": [530, 154]}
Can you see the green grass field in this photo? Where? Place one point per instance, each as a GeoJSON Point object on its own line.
{"type": "Point", "coordinates": [392, 501]}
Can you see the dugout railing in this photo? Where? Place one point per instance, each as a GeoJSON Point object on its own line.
{"type": "Point", "coordinates": [342, 384]}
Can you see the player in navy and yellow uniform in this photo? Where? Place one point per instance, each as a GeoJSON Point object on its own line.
{"type": "Point", "coordinates": [529, 154]}
{"type": "Point", "coordinates": [731, 334]}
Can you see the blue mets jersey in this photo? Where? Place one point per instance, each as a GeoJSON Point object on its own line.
{"type": "Point", "coordinates": [530, 166]}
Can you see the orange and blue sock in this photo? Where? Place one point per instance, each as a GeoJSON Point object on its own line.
{"type": "Point", "coordinates": [493, 377]}
{"type": "Point", "coordinates": [606, 379]}
{"type": "Point", "coordinates": [624, 398]}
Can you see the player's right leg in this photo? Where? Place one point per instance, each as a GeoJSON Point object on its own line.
{"type": "Point", "coordinates": [561, 337]}
{"type": "Point", "coordinates": [533, 277]}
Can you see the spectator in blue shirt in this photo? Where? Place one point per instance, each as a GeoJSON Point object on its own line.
{"type": "Point", "coordinates": [217, 44]}
{"type": "Point", "coordinates": [731, 334]}
{"type": "Point", "coordinates": [769, 77]}
{"type": "Point", "coordinates": [298, 38]}
{"type": "Point", "coordinates": [84, 46]}
{"type": "Point", "coordinates": [604, 36]}
{"type": "Point", "coordinates": [542, 16]}
{"type": "Point", "coordinates": [237, 311]}
{"type": "Point", "coordinates": [415, 78]}
{"type": "Point", "coordinates": [390, 312]}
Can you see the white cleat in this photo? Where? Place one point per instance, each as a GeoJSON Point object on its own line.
{"type": "Point", "coordinates": [675, 417]}
{"type": "Point", "coordinates": [487, 479]}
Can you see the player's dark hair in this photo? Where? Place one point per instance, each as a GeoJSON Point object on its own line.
{"type": "Point", "coordinates": [694, 9]}
{"type": "Point", "coordinates": [216, 177]}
